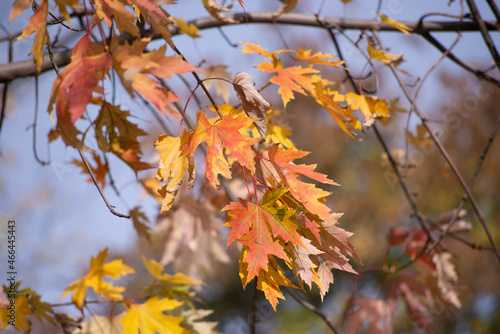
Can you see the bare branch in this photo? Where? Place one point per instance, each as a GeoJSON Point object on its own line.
{"type": "Point", "coordinates": [27, 68]}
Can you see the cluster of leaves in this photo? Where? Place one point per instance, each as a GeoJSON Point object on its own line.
{"type": "Point", "coordinates": [165, 307]}
{"type": "Point", "coordinates": [283, 224]}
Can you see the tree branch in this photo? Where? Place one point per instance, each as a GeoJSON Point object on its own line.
{"type": "Point", "coordinates": [27, 68]}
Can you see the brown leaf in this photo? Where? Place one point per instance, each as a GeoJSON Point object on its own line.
{"type": "Point", "coordinates": [253, 103]}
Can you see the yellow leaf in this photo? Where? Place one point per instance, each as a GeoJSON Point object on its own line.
{"type": "Point", "coordinates": [38, 24]}
{"type": "Point", "coordinates": [156, 270]}
{"type": "Point", "coordinates": [288, 6]}
{"type": "Point", "coordinates": [379, 55]}
{"type": "Point", "coordinates": [269, 282]}
{"type": "Point", "coordinates": [317, 58]}
{"type": "Point", "coordinates": [395, 24]}
{"type": "Point", "coordinates": [101, 324]}
{"type": "Point", "coordinates": [18, 316]}
{"type": "Point", "coordinates": [148, 318]}
{"type": "Point", "coordinates": [189, 29]}
{"type": "Point", "coordinates": [371, 107]}
{"type": "Point", "coordinates": [173, 166]}
{"type": "Point", "coordinates": [221, 86]}
{"type": "Point", "coordinates": [421, 138]}
{"type": "Point", "coordinates": [94, 278]}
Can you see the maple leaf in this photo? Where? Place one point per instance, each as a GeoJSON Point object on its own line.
{"type": "Point", "coordinates": [270, 280]}
{"type": "Point", "coordinates": [254, 105]}
{"type": "Point", "coordinates": [100, 324]}
{"type": "Point", "coordinates": [375, 311]}
{"type": "Point", "coordinates": [416, 295]}
{"type": "Point", "coordinates": [173, 166]}
{"type": "Point", "coordinates": [215, 9]}
{"type": "Point", "coordinates": [195, 246]}
{"type": "Point", "coordinates": [380, 55]}
{"type": "Point", "coordinates": [99, 171]}
{"type": "Point", "coordinates": [221, 86]}
{"type": "Point", "coordinates": [115, 133]}
{"type": "Point", "coordinates": [151, 11]}
{"type": "Point", "coordinates": [317, 58]}
{"type": "Point", "coordinates": [73, 88]}
{"type": "Point", "coordinates": [305, 193]}
{"type": "Point", "coordinates": [303, 266]}
{"type": "Point", "coordinates": [422, 138]}
{"type": "Point", "coordinates": [290, 79]}
{"type": "Point", "coordinates": [140, 221]}
{"type": "Point", "coordinates": [18, 7]}
{"type": "Point", "coordinates": [371, 107]}
{"type": "Point", "coordinates": [193, 324]}
{"type": "Point", "coordinates": [252, 225]}
{"type": "Point", "coordinates": [446, 277]}
{"type": "Point", "coordinates": [94, 278]}
{"type": "Point", "coordinates": [22, 309]}
{"type": "Point", "coordinates": [257, 49]}
{"type": "Point", "coordinates": [329, 101]}
{"type": "Point", "coordinates": [134, 68]}
{"type": "Point", "coordinates": [188, 29]}
{"type": "Point", "coordinates": [156, 270]}
{"type": "Point", "coordinates": [41, 310]}
{"type": "Point", "coordinates": [402, 27]}
{"type": "Point", "coordinates": [288, 6]}
{"type": "Point", "coordinates": [125, 20]}
{"type": "Point", "coordinates": [148, 318]}
{"type": "Point", "coordinates": [220, 134]}
{"type": "Point", "coordinates": [37, 25]}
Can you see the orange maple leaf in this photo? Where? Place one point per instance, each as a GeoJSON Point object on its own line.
{"type": "Point", "coordinates": [252, 225]}
{"type": "Point", "coordinates": [38, 24]}
{"type": "Point", "coordinates": [219, 134]}
{"type": "Point", "coordinates": [306, 193]}
{"type": "Point", "coordinates": [290, 79]}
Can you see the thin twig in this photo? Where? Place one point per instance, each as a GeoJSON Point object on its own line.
{"type": "Point", "coordinates": [110, 207]}
{"type": "Point", "coordinates": [311, 308]}
{"type": "Point", "coordinates": [471, 184]}
{"type": "Point", "coordinates": [484, 32]}
{"type": "Point", "coordinates": [444, 153]}
{"type": "Point", "coordinates": [43, 163]}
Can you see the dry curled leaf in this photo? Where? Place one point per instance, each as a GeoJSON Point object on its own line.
{"type": "Point", "coordinates": [253, 103]}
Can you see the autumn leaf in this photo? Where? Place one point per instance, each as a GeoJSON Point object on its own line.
{"type": "Point", "coordinates": [124, 20]}
{"type": "Point", "coordinates": [371, 107]}
{"type": "Point", "coordinates": [195, 246]}
{"type": "Point", "coordinates": [188, 29]}
{"type": "Point", "coordinates": [290, 79]}
{"type": "Point", "coordinates": [416, 296]}
{"type": "Point", "coordinates": [303, 266]}
{"type": "Point", "coordinates": [270, 280]}
{"type": "Point", "coordinates": [37, 25]}
{"type": "Point", "coordinates": [115, 133]}
{"type": "Point", "coordinates": [220, 134]}
{"type": "Point", "coordinates": [317, 58]}
{"type": "Point", "coordinates": [251, 224]}
{"type": "Point", "coordinates": [173, 166]}
{"type": "Point", "coordinates": [148, 318]}
{"type": "Point", "coordinates": [380, 55]}
{"type": "Point", "coordinates": [254, 105]}
{"type": "Point", "coordinates": [446, 278]}
{"type": "Point", "coordinates": [156, 270]}
{"type": "Point", "coordinates": [18, 7]}
{"type": "Point", "coordinates": [135, 68]}
{"type": "Point", "coordinates": [221, 86]}
{"type": "Point", "coordinates": [94, 279]}
{"type": "Point", "coordinates": [400, 26]}
{"type": "Point", "coordinates": [103, 324]}
{"type": "Point", "coordinates": [374, 312]}
{"type": "Point", "coordinates": [421, 138]}
{"type": "Point", "coordinates": [140, 221]}
{"type": "Point", "coordinates": [193, 324]}
{"type": "Point", "coordinates": [305, 193]}
{"type": "Point", "coordinates": [99, 171]}
{"type": "Point", "coordinates": [157, 18]}
{"type": "Point", "coordinates": [21, 307]}
{"type": "Point", "coordinates": [215, 9]}
{"type": "Point", "coordinates": [288, 6]}
{"type": "Point", "coordinates": [249, 47]}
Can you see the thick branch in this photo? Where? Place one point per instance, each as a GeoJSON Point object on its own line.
{"type": "Point", "coordinates": [22, 69]}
